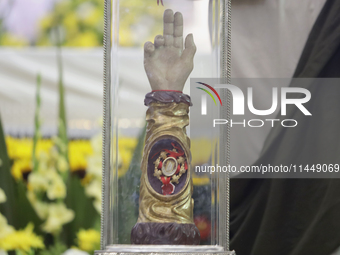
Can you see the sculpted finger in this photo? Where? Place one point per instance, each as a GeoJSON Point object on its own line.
{"type": "Point", "coordinates": [149, 48]}
{"type": "Point", "coordinates": [190, 48]}
{"type": "Point", "coordinates": [168, 29]}
{"type": "Point", "coordinates": [159, 41]}
{"type": "Point", "coordinates": [178, 30]}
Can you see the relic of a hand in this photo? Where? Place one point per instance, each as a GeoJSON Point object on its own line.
{"type": "Point", "coordinates": [166, 63]}
{"type": "Point", "coordinates": [165, 214]}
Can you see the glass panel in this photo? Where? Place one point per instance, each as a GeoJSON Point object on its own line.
{"type": "Point", "coordinates": [135, 22]}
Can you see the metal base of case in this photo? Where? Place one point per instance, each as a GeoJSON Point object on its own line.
{"type": "Point", "coordinates": [163, 253]}
{"type": "Point", "coordinates": [164, 250]}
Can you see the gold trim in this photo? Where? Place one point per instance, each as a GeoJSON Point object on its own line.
{"type": "Point", "coordinates": [166, 120]}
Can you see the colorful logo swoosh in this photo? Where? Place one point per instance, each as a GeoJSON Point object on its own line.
{"type": "Point", "coordinates": [208, 92]}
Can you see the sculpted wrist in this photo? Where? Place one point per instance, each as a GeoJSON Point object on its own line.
{"type": "Point", "coordinates": [167, 96]}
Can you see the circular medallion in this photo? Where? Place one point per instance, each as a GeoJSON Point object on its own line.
{"type": "Point", "coordinates": [169, 166]}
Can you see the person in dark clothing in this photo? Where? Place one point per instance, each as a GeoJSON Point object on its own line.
{"type": "Point", "coordinates": [297, 216]}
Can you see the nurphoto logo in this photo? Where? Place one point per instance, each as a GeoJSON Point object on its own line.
{"type": "Point", "coordinates": [238, 104]}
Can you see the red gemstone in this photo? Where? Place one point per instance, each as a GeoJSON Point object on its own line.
{"type": "Point", "coordinates": [168, 188]}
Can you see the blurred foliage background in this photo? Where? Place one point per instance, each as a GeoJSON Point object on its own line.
{"type": "Point", "coordinates": [80, 23]}
{"type": "Point", "coordinates": [50, 187]}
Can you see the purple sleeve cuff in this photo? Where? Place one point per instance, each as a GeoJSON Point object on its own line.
{"type": "Point", "coordinates": [167, 97]}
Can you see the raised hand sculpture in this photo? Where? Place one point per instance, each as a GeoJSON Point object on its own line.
{"type": "Point", "coordinates": [165, 203]}
{"type": "Point", "coordinates": [166, 63]}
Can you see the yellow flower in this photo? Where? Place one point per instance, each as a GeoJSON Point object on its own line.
{"type": "Point", "coordinates": [94, 18]}
{"type": "Point", "coordinates": [201, 150]}
{"type": "Point", "coordinates": [8, 39]}
{"type": "Point", "coordinates": [93, 189]}
{"type": "Point", "coordinates": [94, 171]}
{"type": "Point", "coordinates": [10, 144]}
{"type": "Point", "coordinates": [21, 167]}
{"type": "Point", "coordinates": [62, 164]}
{"type": "Point", "coordinates": [88, 240]}
{"type": "Point", "coordinates": [84, 10]}
{"type": "Point", "coordinates": [43, 162]}
{"type": "Point", "coordinates": [126, 147]}
{"type": "Point", "coordinates": [41, 209]}
{"type": "Point", "coordinates": [79, 151]}
{"type": "Point", "coordinates": [46, 22]}
{"type": "Point", "coordinates": [5, 229]}
{"type": "Point", "coordinates": [77, 161]}
{"type": "Point", "coordinates": [96, 144]}
{"type": "Point", "coordinates": [57, 188]}
{"type": "Point", "coordinates": [43, 146]}
{"type": "Point", "coordinates": [2, 196]}
{"type": "Point", "coordinates": [97, 205]}
{"type": "Point", "coordinates": [71, 23]}
{"type": "Point", "coordinates": [94, 166]}
{"type": "Point", "coordinates": [37, 182]}
{"type": "Point", "coordinates": [58, 215]}
{"type": "Point", "coordinates": [22, 147]}
{"type": "Point", "coordinates": [85, 39]}
{"type": "Point", "coordinates": [198, 181]}
{"type": "Point", "coordinates": [19, 148]}
{"type": "Point", "coordinates": [201, 153]}
{"type": "Point", "coordinates": [23, 240]}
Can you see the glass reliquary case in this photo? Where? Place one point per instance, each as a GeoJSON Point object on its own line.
{"type": "Point", "coordinates": [153, 199]}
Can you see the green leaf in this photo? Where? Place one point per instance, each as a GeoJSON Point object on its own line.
{"type": "Point", "coordinates": [24, 211]}
{"type": "Point", "coordinates": [62, 123]}
{"type": "Point", "coordinates": [37, 135]}
{"type": "Point", "coordinates": [86, 215]}
{"type": "Point", "coordinates": [128, 190]}
{"type": "Point", "coordinates": [6, 182]}
{"type": "Point", "coordinates": [62, 129]}
{"type": "Point", "coordinates": [57, 249]}
{"type": "Point", "coordinates": [17, 209]}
